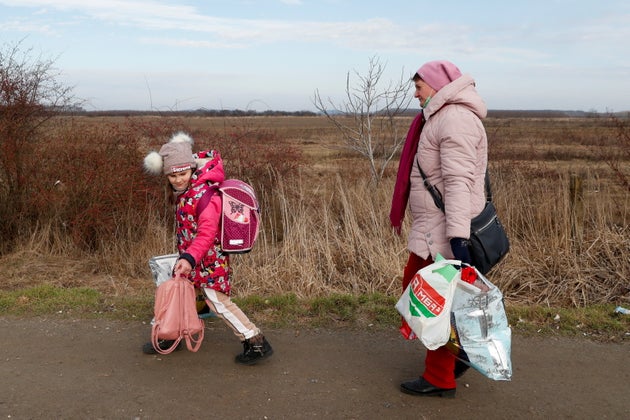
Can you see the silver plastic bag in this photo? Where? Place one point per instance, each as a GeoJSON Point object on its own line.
{"type": "Point", "coordinates": [162, 267]}
{"type": "Point", "coordinates": [480, 333]}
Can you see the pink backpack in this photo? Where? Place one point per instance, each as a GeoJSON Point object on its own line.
{"type": "Point", "coordinates": [239, 215]}
{"type": "Point", "coordinates": [175, 316]}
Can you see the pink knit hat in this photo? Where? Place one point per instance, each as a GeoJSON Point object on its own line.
{"type": "Point", "coordinates": [175, 156]}
{"type": "Point", "coordinates": [438, 74]}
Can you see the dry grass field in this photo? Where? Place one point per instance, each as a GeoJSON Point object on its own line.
{"type": "Point", "coordinates": [560, 186]}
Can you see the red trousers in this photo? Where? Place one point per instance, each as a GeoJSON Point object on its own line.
{"type": "Point", "coordinates": [439, 365]}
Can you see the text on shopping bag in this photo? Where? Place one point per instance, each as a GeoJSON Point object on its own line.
{"type": "Point", "coordinates": [424, 299]}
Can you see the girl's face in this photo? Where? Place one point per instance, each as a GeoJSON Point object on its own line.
{"type": "Point", "coordinates": [179, 180]}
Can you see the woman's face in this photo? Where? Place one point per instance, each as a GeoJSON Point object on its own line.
{"type": "Point", "coordinates": [179, 180]}
{"type": "Point", "coordinates": [423, 91]}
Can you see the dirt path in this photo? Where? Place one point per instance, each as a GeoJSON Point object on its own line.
{"type": "Point", "coordinates": [93, 369]}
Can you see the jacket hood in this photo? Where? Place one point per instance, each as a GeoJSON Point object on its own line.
{"type": "Point", "coordinates": [460, 91]}
{"type": "Point", "coordinates": [209, 168]}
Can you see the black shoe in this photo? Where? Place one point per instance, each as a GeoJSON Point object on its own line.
{"type": "Point", "coordinates": [460, 368]}
{"type": "Point", "coordinates": [423, 388]}
{"type": "Point", "coordinates": [148, 348]}
{"type": "Point", "coordinates": [254, 350]}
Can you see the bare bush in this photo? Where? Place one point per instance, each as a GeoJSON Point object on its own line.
{"type": "Point", "coordinates": [30, 95]}
{"type": "Point", "coordinates": [617, 156]}
{"type": "Point", "coordinates": [335, 240]}
{"type": "Point", "coordinates": [325, 226]}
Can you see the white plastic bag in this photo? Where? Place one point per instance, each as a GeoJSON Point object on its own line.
{"type": "Point", "coordinates": [480, 333]}
{"type": "Point", "coordinates": [426, 303]}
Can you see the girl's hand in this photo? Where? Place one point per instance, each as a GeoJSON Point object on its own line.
{"type": "Point", "coordinates": [182, 268]}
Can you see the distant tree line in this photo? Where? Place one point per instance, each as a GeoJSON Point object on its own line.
{"type": "Point", "coordinates": [190, 113]}
{"type": "Point", "coordinates": [492, 113]}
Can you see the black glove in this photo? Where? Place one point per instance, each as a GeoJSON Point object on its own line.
{"type": "Point", "coordinates": [459, 246]}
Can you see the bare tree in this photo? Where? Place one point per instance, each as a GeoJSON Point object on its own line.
{"type": "Point", "coordinates": [367, 118]}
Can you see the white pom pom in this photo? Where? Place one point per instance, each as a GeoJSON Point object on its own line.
{"type": "Point", "coordinates": [153, 163]}
{"type": "Point", "coordinates": [181, 137]}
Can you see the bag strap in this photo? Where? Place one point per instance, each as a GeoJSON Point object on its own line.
{"type": "Point", "coordinates": [205, 199]}
{"type": "Point", "coordinates": [192, 343]}
{"type": "Point", "coordinates": [487, 186]}
{"type": "Point", "coordinates": [437, 195]}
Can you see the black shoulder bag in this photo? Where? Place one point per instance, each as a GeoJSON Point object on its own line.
{"type": "Point", "coordinates": [488, 240]}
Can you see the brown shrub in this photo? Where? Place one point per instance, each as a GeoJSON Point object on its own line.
{"type": "Point", "coordinates": [325, 229]}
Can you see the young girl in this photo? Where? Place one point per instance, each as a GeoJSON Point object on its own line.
{"type": "Point", "coordinates": [201, 258]}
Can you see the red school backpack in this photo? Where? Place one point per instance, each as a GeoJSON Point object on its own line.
{"type": "Point", "coordinates": [239, 215]}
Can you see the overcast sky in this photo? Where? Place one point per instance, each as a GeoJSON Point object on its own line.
{"type": "Point", "coordinates": [274, 54]}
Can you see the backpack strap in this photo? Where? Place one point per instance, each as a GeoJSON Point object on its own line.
{"type": "Point", "coordinates": [205, 199]}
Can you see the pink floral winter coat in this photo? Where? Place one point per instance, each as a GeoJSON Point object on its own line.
{"type": "Point", "coordinates": [198, 226]}
{"type": "Point", "coordinates": [452, 152]}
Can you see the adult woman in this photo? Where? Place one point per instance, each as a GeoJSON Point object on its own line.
{"type": "Point", "coordinates": [201, 258]}
{"type": "Point", "coordinates": [448, 141]}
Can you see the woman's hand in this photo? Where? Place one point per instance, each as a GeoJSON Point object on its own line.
{"type": "Point", "coordinates": [459, 246]}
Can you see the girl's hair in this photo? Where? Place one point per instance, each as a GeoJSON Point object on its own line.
{"type": "Point", "coordinates": [169, 191]}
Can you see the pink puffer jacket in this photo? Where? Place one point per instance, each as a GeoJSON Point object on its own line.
{"type": "Point", "coordinates": [453, 153]}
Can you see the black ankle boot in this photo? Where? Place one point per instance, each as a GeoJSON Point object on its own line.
{"type": "Point", "coordinates": [255, 349]}
{"type": "Point", "coordinates": [148, 348]}
{"type": "Point", "coordinates": [423, 388]}
{"type": "Point", "coordinates": [460, 368]}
